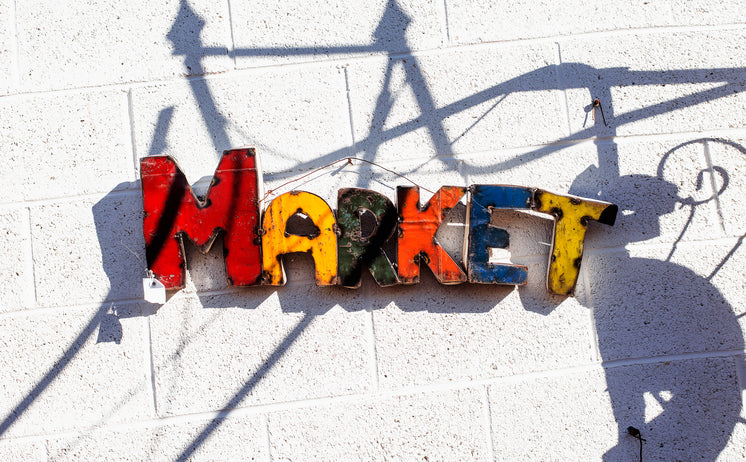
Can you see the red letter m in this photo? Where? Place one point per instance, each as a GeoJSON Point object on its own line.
{"type": "Point", "coordinates": [172, 211]}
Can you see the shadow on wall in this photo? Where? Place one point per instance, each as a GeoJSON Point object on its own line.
{"type": "Point", "coordinates": [668, 309]}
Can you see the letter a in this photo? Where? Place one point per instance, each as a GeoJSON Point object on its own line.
{"type": "Point", "coordinates": [277, 241]}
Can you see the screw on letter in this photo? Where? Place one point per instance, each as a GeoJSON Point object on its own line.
{"type": "Point", "coordinates": [597, 104]}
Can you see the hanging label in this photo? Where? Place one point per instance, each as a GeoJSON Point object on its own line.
{"type": "Point", "coordinates": [153, 291]}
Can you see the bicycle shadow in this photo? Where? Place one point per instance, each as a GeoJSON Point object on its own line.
{"type": "Point", "coordinates": [638, 326]}
{"type": "Point", "coordinates": [628, 399]}
{"type": "Point", "coordinates": [669, 341]}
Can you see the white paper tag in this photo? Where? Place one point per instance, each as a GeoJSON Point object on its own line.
{"type": "Point", "coordinates": [153, 290]}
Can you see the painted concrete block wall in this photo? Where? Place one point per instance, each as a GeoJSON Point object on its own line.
{"type": "Point", "coordinates": [443, 92]}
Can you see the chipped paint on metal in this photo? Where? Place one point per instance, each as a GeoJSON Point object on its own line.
{"type": "Point", "coordinates": [483, 236]}
{"type": "Point", "coordinates": [571, 216]}
{"type": "Point", "coordinates": [277, 241]}
{"type": "Point", "coordinates": [231, 206]}
{"type": "Point", "coordinates": [356, 250]}
{"type": "Point", "coordinates": [416, 237]}
{"type": "Point", "coordinates": [172, 211]}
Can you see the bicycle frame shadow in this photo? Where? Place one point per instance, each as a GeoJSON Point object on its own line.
{"type": "Point", "coordinates": [637, 326]}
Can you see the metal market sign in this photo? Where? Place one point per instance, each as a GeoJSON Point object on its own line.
{"type": "Point", "coordinates": [253, 243]}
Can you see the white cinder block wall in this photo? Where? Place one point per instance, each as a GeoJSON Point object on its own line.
{"type": "Point", "coordinates": [444, 92]}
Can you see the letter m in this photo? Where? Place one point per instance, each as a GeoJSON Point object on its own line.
{"type": "Point", "coordinates": [173, 211]}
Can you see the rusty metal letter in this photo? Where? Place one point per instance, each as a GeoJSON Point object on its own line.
{"type": "Point", "coordinates": [482, 235]}
{"type": "Point", "coordinates": [173, 211]}
{"type": "Point", "coordinates": [571, 217]}
{"type": "Point", "coordinates": [277, 241]}
{"type": "Point", "coordinates": [417, 228]}
{"type": "Point", "coordinates": [355, 249]}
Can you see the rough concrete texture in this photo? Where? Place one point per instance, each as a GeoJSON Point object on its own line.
{"type": "Point", "coordinates": [23, 450]}
{"type": "Point", "coordinates": [74, 369]}
{"type": "Point", "coordinates": [695, 85]}
{"type": "Point", "coordinates": [436, 92]}
{"type": "Point", "coordinates": [474, 22]}
{"type": "Point", "coordinates": [7, 46]}
{"type": "Point", "coordinates": [531, 419]}
{"type": "Point", "coordinates": [286, 345]}
{"type": "Point", "coordinates": [64, 144]}
{"type": "Point", "coordinates": [673, 404]}
{"type": "Point", "coordinates": [269, 32]}
{"type": "Point", "coordinates": [667, 308]}
{"type": "Point", "coordinates": [439, 426]}
{"type": "Point", "coordinates": [433, 335]}
{"type": "Point", "coordinates": [722, 265]}
{"type": "Point", "coordinates": [16, 275]}
{"type": "Point", "coordinates": [71, 44]}
{"type": "Point", "coordinates": [236, 438]}
{"type": "Point", "coordinates": [102, 244]}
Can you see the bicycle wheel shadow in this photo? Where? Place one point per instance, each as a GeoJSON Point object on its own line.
{"type": "Point", "coordinates": [667, 310]}
{"type": "Point", "coordinates": [669, 341]}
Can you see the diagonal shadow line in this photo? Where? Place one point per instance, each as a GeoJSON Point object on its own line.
{"type": "Point", "coordinates": [55, 370]}
{"type": "Point", "coordinates": [725, 259]}
{"type": "Point", "coordinates": [426, 103]}
{"type": "Point", "coordinates": [476, 122]}
{"type": "Point", "coordinates": [170, 360]}
{"type": "Point", "coordinates": [416, 80]}
{"type": "Point", "coordinates": [625, 118]}
{"type": "Point", "coordinates": [384, 103]}
{"type": "Point", "coordinates": [158, 143]}
{"type": "Point", "coordinates": [247, 387]}
{"type": "Point", "coordinates": [209, 109]}
{"type": "Point", "coordinates": [184, 35]}
{"type": "Point", "coordinates": [497, 90]}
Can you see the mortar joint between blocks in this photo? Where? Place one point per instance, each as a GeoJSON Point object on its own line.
{"type": "Point", "coordinates": [232, 50]}
{"type": "Point", "coordinates": [132, 137]}
{"type": "Point", "coordinates": [488, 422]}
{"type": "Point", "coordinates": [31, 279]}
